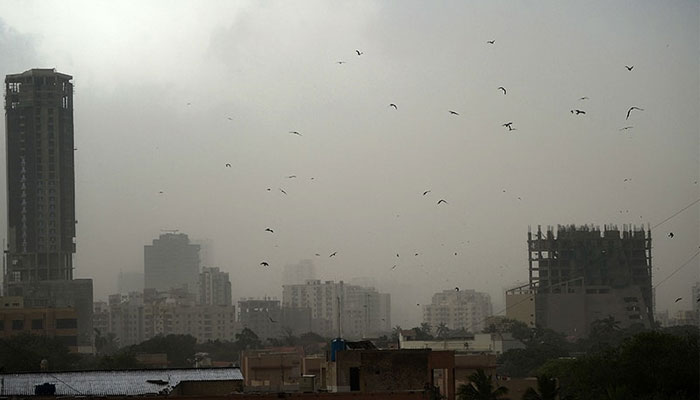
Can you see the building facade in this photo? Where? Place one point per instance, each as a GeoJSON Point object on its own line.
{"type": "Point", "coordinates": [171, 262]}
{"type": "Point", "coordinates": [214, 287]}
{"type": "Point", "coordinates": [463, 309]}
{"type": "Point", "coordinates": [580, 274]}
{"type": "Point", "coordinates": [40, 176]}
{"type": "Point", "coordinates": [341, 310]}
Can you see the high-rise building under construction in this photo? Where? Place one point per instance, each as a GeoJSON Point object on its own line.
{"type": "Point", "coordinates": [580, 274]}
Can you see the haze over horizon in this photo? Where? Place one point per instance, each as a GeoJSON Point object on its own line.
{"type": "Point", "coordinates": [168, 93]}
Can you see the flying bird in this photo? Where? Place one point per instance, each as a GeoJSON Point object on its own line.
{"type": "Point", "coordinates": [442, 201]}
{"type": "Point", "coordinates": [228, 165]}
{"type": "Point", "coordinates": [318, 255]}
{"type": "Point", "coordinates": [333, 254]}
{"type": "Point", "coordinates": [230, 119]}
{"type": "Point", "coordinates": [282, 190]}
{"type": "Point", "coordinates": [271, 320]}
{"type": "Point", "coordinates": [629, 68]}
{"type": "Point", "coordinates": [359, 53]}
{"type": "Point", "coordinates": [264, 264]}
{"type": "Point", "coordinates": [509, 125]}
{"type": "Point", "coordinates": [584, 98]}
{"type": "Point", "coordinates": [578, 112]}
{"type": "Point", "coordinates": [503, 89]}
{"type": "Point", "coordinates": [291, 176]}
{"type": "Point", "coordinates": [269, 230]}
{"type": "Point", "coordinates": [670, 234]}
{"type": "Point", "coordinates": [340, 62]}
{"type": "Point", "coordinates": [490, 41]}
{"type": "Point", "coordinates": [393, 105]}
{"type": "Point", "coordinates": [630, 110]}
{"type": "Point", "coordinates": [394, 267]}
{"type": "Point", "coordinates": [397, 254]}
{"type": "Point", "coordinates": [456, 289]}
{"type": "Point", "coordinates": [426, 192]}
{"type": "Point", "coordinates": [626, 128]}
{"type": "Point", "coordinates": [454, 112]}
{"type": "Point", "coordinates": [678, 299]}
{"type": "Point", "coordinates": [160, 192]}
{"type": "Point", "coordinates": [295, 133]}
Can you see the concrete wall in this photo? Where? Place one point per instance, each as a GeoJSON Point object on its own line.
{"type": "Point", "coordinates": [206, 388]}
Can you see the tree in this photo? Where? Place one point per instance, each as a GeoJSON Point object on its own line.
{"type": "Point", "coordinates": [481, 387]}
{"type": "Point", "coordinates": [395, 333]}
{"type": "Point", "coordinates": [106, 345]}
{"type": "Point", "coordinates": [179, 348]}
{"type": "Point", "coordinates": [24, 352]}
{"type": "Point", "coordinates": [247, 340]}
{"type": "Point", "coordinates": [442, 331]}
{"type": "Point", "coordinates": [547, 389]}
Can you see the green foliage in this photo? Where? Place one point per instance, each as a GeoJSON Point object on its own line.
{"type": "Point", "coordinates": [24, 352]}
{"type": "Point", "coordinates": [547, 389]}
{"type": "Point", "coordinates": [481, 387]}
{"type": "Point", "coordinates": [179, 348]}
{"type": "Point", "coordinates": [649, 365]}
{"type": "Point", "coordinates": [543, 345]}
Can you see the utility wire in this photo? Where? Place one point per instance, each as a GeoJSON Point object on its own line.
{"type": "Point", "coordinates": [676, 213]}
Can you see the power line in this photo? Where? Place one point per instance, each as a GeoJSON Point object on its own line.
{"type": "Point", "coordinates": [677, 269]}
{"type": "Point", "coordinates": [676, 213]}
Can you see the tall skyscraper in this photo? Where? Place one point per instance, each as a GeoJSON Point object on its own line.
{"type": "Point", "coordinates": [40, 176]}
{"type": "Point", "coordinates": [41, 197]}
{"type": "Point", "coordinates": [171, 262]}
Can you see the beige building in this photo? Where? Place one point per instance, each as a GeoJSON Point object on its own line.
{"type": "Point", "coordinates": [61, 323]}
{"type": "Point", "coordinates": [347, 310]}
{"type": "Point", "coordinates": [137, 317]}
{"type": "Point", "coordinates": [463, 309]}
{"type": "Point", "coordinates": [520, 305]}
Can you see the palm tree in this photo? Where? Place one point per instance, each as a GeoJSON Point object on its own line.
{"type": "Point", "coordinates": [480, 387]}
{"type": "Point", "coordinates": [546, 389]}
{"type": "Point", "coordinates": [442, 331]}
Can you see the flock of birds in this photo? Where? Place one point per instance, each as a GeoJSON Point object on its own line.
{"type": "Point", "coordinates": [507, 125]}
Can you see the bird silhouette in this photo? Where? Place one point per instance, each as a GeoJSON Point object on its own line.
{"type": "Point", "coordinates": [670, 234]}
{"type": "Point", "coordinates": [578, 112]}
{"type": "Point", "coordinates": [340, 62]}
{"type": "Point", "coordinates": [456, 289]}
{"type": "Point", "coordinates": [318, 255]}
{"type": "Point", "coordinates": [509, 125]}
{"type": "Point", "coordinates": [624, 128]}
{"type": "Point", "coordinates": [160, 192]}
{"type": "Point", "coordinates": [295, 133]}
{"type": "Point", "coordinates": [454, 112]}
{"type": "Point", "coordinates": [584, 98]}
{"type": "Point", "coordinates": [333, 254]}
{"type": "Point", "coordinates": [397, 254]}
{"type": "Point", "coordinates": [394, 267]}
{"type": "Point", "coordinates": [629, 68]}
{"type": "Point", "coordinates": [271, 320]}
{"type": "Point", "coordinates": [282, 190]}
{"type": "Point", "coordinates": [630, 110]}
{"type": "Point", "coordinates": [264, 264]}
{"type": "Point", "coordinates": [269, 230]}
{"type": "Point", "coordinates": [393, 105]}
{"type": "Point", "coordinates": [230, 119]}
{"type": "Point", "coordinates": [228, 165]}
{"type": "Point", "coordinates": [442, 201]}
{"type": "Point", "coordinates": [359, 53]}
{"type": "Point", "coordinates": [291, 176]}
{"type": "Point", "coordinates": [503, 89]}
{"type": "Point", "coordinates": [490, 41]}
{"type": "Point", "coordinates": [678, 299]}
{"type": "Point", "coordinates": [426, 192]}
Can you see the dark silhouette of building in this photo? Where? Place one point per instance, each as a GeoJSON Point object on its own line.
{"type": "Point", "coordinates": [40, 176]}
{"type": "Point", "coordinates": [41, 196]}
{"type": "Point", "coordinates": [171, 262]}
{"type": "Point", "coordinates": [580, 275]}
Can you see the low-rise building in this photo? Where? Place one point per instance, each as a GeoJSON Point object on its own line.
{"type": "Point", "coordinates": [60, 323]}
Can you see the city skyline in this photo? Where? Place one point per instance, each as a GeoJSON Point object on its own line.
{"type": "Point", "coordinates": [225, 85]}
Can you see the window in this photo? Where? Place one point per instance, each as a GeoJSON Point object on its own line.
{"type": "Point", "coordinates": [17, 325]}
{"type": "Point", "coordinates": [37, 324]}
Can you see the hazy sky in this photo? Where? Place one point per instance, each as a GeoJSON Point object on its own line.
{"type": "Point", "coordinates": [168, 92]}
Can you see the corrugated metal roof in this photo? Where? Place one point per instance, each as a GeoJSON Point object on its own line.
{"type": "Point", "coordinates": [112, 383]}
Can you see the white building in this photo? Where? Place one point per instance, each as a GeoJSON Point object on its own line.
{"type": "Point", "coordinates": [214, 287]}
{"type": "Point", "coordinates": [347, 310]}
{"type": "Point", "coordinates": [463, 309]}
